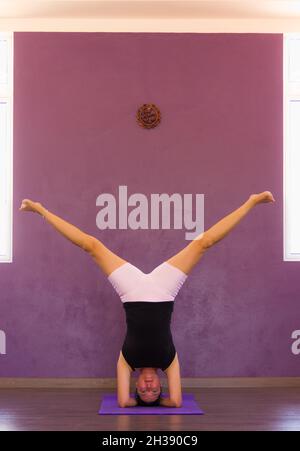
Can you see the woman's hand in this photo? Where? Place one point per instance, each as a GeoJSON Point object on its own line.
{"type": "Point", "coordinates": [29, 205]}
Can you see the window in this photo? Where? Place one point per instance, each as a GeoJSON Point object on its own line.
{"type": "Point", "coordinates": [6, 120]}
{"type": "Point", "coordinates": [291, 128]}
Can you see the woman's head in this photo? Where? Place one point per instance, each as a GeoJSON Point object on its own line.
{"type": "Point", "coordinates": [148, 387]}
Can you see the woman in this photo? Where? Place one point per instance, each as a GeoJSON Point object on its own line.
{"type": "Point", "coordinates": [148, 302]}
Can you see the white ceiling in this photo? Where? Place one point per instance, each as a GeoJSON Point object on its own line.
{"type": "Point", "coordinates": [243, 9]}
{"type": "Point", "coordinates": [198, 16]}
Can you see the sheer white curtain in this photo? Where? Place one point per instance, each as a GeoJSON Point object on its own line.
{"type": "Point", "coordinates": [291, 77]}
{"type": "Point", "coordinates": [6, 126]}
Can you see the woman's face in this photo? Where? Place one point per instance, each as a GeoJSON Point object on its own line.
{"type": "Point", "coordinates": [148, 385]}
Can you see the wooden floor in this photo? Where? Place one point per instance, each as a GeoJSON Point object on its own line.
{"type": "Point", "coordinates": [238, 409]}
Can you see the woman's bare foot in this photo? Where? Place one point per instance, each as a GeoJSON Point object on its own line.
{"type": "Point", "coordinates": [264, 197]}
{"type": "Point", "coordinates": [29, 205]}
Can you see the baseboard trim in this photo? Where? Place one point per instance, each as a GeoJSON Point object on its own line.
{"type": "Point", "coordinates": [110, 383]}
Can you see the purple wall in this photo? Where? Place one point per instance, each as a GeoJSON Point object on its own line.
{"type": "Point", "coordinates": [75, 136]}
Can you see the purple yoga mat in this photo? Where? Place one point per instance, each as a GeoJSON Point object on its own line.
{"type": "Point", "coordinates": [109, 406]}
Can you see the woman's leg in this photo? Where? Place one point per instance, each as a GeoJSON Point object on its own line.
{"type": "Point", "coordinates": [188, 257]}
{"type": "Point", "coordinates": [105, 258]}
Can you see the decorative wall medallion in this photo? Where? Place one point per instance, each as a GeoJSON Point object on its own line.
{"type": "Point", "coordinates": [148, 115]}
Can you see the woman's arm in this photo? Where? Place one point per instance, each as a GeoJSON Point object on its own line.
{"type": "Point", "coordinates": [168, 402]}
{"type": "Point", "coordinates": [123, 384]}
{"type": "Point", "coordinates": [72, 233]}
{"type": "Point", "coordinates": [131, 402]}
{"type": "Point", "coordinates": [174, 383]}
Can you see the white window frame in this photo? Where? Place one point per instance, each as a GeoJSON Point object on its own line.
{"type": "Point", "coordinates": [6, 149]}
{"type": "Point", "coordinates": [291, 159]}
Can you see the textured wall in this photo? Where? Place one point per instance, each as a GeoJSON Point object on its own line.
{"type": "Point", "coordinates": [75, 136]}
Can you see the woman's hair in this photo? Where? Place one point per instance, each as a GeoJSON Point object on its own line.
{"type": "Point", "coordinates": [140, 402]}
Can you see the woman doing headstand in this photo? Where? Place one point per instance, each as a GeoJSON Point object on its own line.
{"type": "Point", "coordinates": [148, 302]}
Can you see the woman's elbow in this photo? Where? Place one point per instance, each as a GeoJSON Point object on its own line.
{"type": "Point", "coordinates": [122, 404]}
{"type": "Point", "coordinates": [177, 402]}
